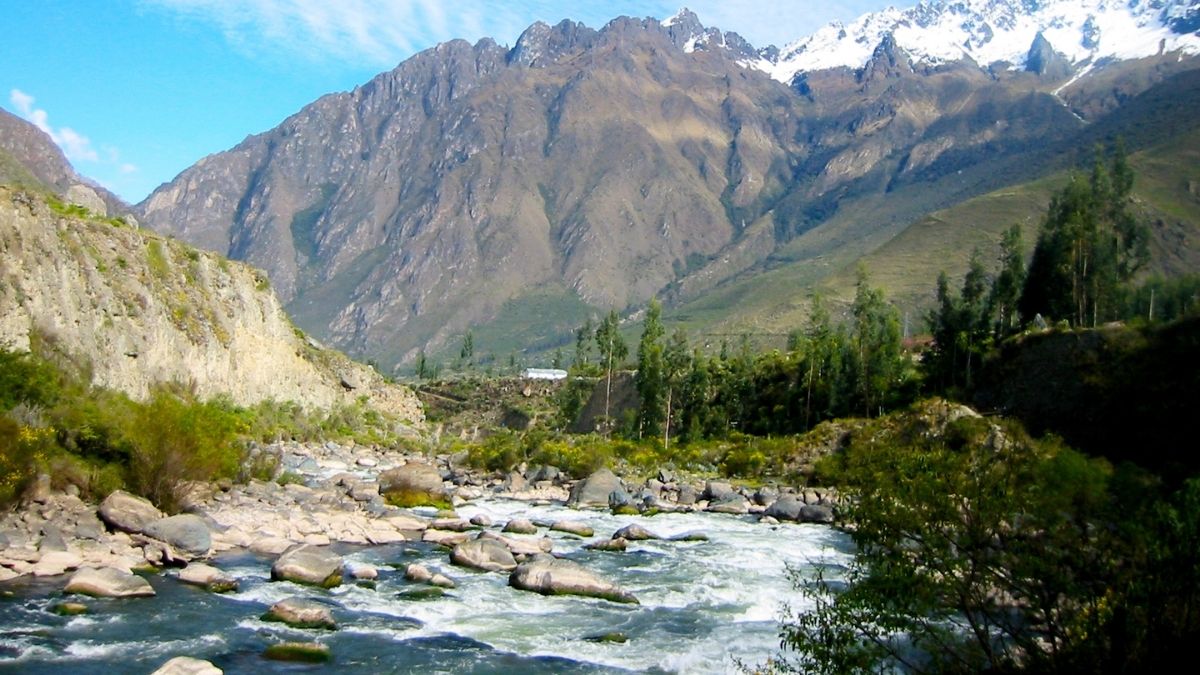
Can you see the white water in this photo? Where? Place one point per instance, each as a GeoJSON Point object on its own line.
{"type": "Point", "coordinates": [703, 606]}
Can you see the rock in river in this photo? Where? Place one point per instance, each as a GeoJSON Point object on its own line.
{"type": "Point", "coordinates": [184, 532]}
{"type": "Point", "coordinates": [309, 565]}
{"type": "Point", "coordinates": [483, 554]}
{"type": "Point", "coordinates": [414, 484]}
{"type": "Point", "coordinates": [552, 576]}
{"type": "Point", "coordinates": [634, 532]}
{"type": "Point", "coordinates": [301, 613]}
{"type": "Point", "coordinates": [186, 665]}
{"type": "Point", "coordinates": [108, 582]}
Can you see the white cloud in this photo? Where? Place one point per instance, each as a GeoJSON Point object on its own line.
{"type": "Point", "coordinates": [75, 145]}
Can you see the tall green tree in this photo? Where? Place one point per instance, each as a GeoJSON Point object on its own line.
{"type": "Point", "coordinates": [677, 362]}
{"type": "Point", "coordinates": [466, 353]}
{"type": "Point", "coordinates": [613, 351]}
{"type": "Point", "coordinates": [583, 344]}
{"type": "Point", "coordinates": [651, 372]}
{"type": "Point", "coordinates": [1089, 246]}
{"type": "Point", "coordinates": [1006, 287]}
{"type": "Point", "coordinates": [875, 360]}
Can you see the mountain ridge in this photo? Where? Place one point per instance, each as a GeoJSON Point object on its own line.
{"type": "Point", "coordinates": [593, 169]}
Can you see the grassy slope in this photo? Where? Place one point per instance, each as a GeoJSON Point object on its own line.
{"type": "Point", "coordinates": [768, 304]}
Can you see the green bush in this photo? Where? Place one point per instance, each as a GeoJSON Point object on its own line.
{"type": "Point", "coordinates": [26, 379]}
{"type": "Point", "coordinates": [173, 441]}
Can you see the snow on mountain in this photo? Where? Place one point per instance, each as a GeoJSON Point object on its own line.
{"type": "Point", "coordinates": [988, 31]}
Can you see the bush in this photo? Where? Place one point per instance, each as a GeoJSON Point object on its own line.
{"type": "Point", "coordinates": [26, 379]}
{"type": "Point", "coordinates": [21, 449]}
{"type": "Point", "coordinates": [173, 441]}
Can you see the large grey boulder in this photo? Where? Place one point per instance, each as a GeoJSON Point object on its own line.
{"type": "Point", "coordinates": [786, 507]}
{"type": "Point", "coordinates": [594, 490]}
{"type": "Point", "coordinates": [186, 532]}
{"type": "Point", "coordinates": [553, 576]}
{"type": "Point", "coordinates": [520, 526]}
{"type": "Point", "coordinates": [108, 582]}
{"type": "Point", "coordinates": [301, 613]}
{"type": "Point", "coordinates": [816, 513]}
{"type": "Point", "coordinates": [199, 574]}
{"type": "Point", "coordinates": [483, 554]}
{"type": "Point", "coordinates": [715, 490]}
{"type": "Point", "coordinates": [128, 513]}
{"type": "Point", "coordinates": [186, 665]}
{"type": "Point", "coordinates": [414, 484]}
{"type": "Point", "coordinates": [307, 564]}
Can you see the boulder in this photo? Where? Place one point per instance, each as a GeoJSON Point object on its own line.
{"type": "Point", "coordinates": [594, 490]}
{"type": "Point", "coordinates": [199, 574]}
{"type": "Point", "coordinates": [520, 526]}
{"type": "Point", "coordinates": [483, 554]}
{"type": "Point", "coordinates": [362, 571]}
{"type": "Point", "coordinates": [521, 546]}
{"type": "Point", "coordinates": [689, 536]}
{"type": "Point", "coordinates": [572, 527]}
{"type": "Point", "coordinates": [765, 495]}
{"type": "Point", "coordinates": [414, 484]}
{"type": "Point", "coordinates": [816, 513]}
{"type": "Point", "coordinates": [186, 665]}
{"type": "Point", "coordinates": [481, 520]}
{"type": "Point", "coordinates": [687, 495]}
{"type": "Point", "coordinates": [716, 490]}
{"type": "Point", "coordinates": [614, 544]}
{"type": "Point", "coordinates": [418, 573]}
{"type": "Point", "coordinates": [108, 582]}
{"type": "Point", "coordinates": [441, 581]}
{"type": "Point", "coordinates": [128, 513]}
{"type": "Point", "coordinates": [307, 564]}
{"type": "Point", "coordinates": [552, 576]}
{"type": "Point", "coordinates": [301, 613]}
{"type": "Point", "coordinates": [186, 532]}
{"type": "Point", "coordinates": [732, 503]}
{"type": "Point", "coordinates": [634, 532]}
{"type": "Point", "coordinates": [786, 507]}
{"type": "Point", "coordinates": [54, 563]}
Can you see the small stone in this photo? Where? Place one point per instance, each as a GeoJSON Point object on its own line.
{"type": "Point", "coordinates": [69, 609]}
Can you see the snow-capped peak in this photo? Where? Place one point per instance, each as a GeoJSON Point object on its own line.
{"type": "Point", "coordinates": [990, 31]}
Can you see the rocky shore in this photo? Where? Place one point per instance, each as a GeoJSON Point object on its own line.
{"type": "Point", "coordinates": [328, 494]}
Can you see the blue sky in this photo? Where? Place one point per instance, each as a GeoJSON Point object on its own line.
{"type": "Point", "coordinates": [135, 91]}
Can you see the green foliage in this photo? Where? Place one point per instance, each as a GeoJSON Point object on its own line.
{"type": "Point", "coordinates": [1090, 245]}
{"type": "Point", "coordinates": [173, 441]}
{"type": "Point", "coordinates": [651, 373]}
{"type": "Point", "coordinates": [26, 379]}
{"type": "Point", "coordinates": [613, 351]}
{"type": "Point", "coordinates": [981, 549]}
{"type": "Point", "coordinates": [156, 258]}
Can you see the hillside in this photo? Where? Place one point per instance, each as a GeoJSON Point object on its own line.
{"type": "Point", "coordinates": [134, 308]}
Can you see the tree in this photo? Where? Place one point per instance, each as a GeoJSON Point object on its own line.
{"type": "Point", "coordinates": [874, 349]}
{"type": "Point", "coordinates": [650, 372]}
{"type": "Point", "coordinates": [467, 352]}
{"type": "Point", "coordinates": [1089, 246]}
{"type": "Point", "coordinates": [1006, 287]}
{"type": "Point", "coordinates": [973, 555]}
{"type": "Point", "coordinates": [677, 362]}
{"type": "Point", "coordinates": [422, 365]}
{"type": "Point", "coordinates": [960, 327]}
{"type": "Point", "coordinates": [613, 351]}
{"type": "Point", "coordinates": [583, 344]}
{"type": "Point", "coordinates": [557, 362]}
{"type": "Point", "coordinates": [822, 347]}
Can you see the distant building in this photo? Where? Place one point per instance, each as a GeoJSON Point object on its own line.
{"type": "Point", "coordinates": [544, 374]}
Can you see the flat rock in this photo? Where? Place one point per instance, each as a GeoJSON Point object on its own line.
{"type": "Point", "coordinates": [553, 576]}
{"type": "Point", "coordinates": [107, 582]}
{"type": "Point", "coordinates": [53, 563]}
{"type": "Point", "coordinates": [307, 564]}
{"type": "Point", "coordinates": [731, 503]}
{"type": "Point", "coordinates": [521, 546]}
{"type": "Point", "coordinates": [186, 665]}
{"type": "Point", "coordinates": [614, 544]}
{"type": "Point", "coordinates": [483, 554]}
{"type": "Point", "coordinates": [128, 513]}
{"type": "Point", "coordinates": [572, 527]}
{"type": "Point", "coordinates": [185, 532]}
{"type": "Point", "coordinates": [444, 538]}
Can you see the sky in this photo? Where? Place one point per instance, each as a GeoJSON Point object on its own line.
{"type": "Point", "coordinates": [136, 91]}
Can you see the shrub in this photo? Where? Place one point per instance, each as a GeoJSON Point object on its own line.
{"type": "Point", "coordinates": [21, 448]}
{"type": "Point", "coordinates": [173, 441]}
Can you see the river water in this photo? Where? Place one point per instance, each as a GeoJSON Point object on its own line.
{"type": "Point", "coordinates": [705, 606]}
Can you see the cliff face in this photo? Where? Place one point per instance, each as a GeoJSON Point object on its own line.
{"type": "Point", "coordinates": [139, 309]}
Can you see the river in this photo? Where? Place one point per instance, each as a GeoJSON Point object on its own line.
{"type": "Point", "coordinates": [705, 606]}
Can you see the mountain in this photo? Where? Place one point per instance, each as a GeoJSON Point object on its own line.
{"type": "Point", "coordinates": [135, 309]}
{"type": "Point", "coordinates": [514, 191]}
{"type": "Point", "coordinates": [29, 158]}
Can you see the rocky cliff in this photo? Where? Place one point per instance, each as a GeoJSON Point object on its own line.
{"type": "Point", "coordinates": [135, 308]}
